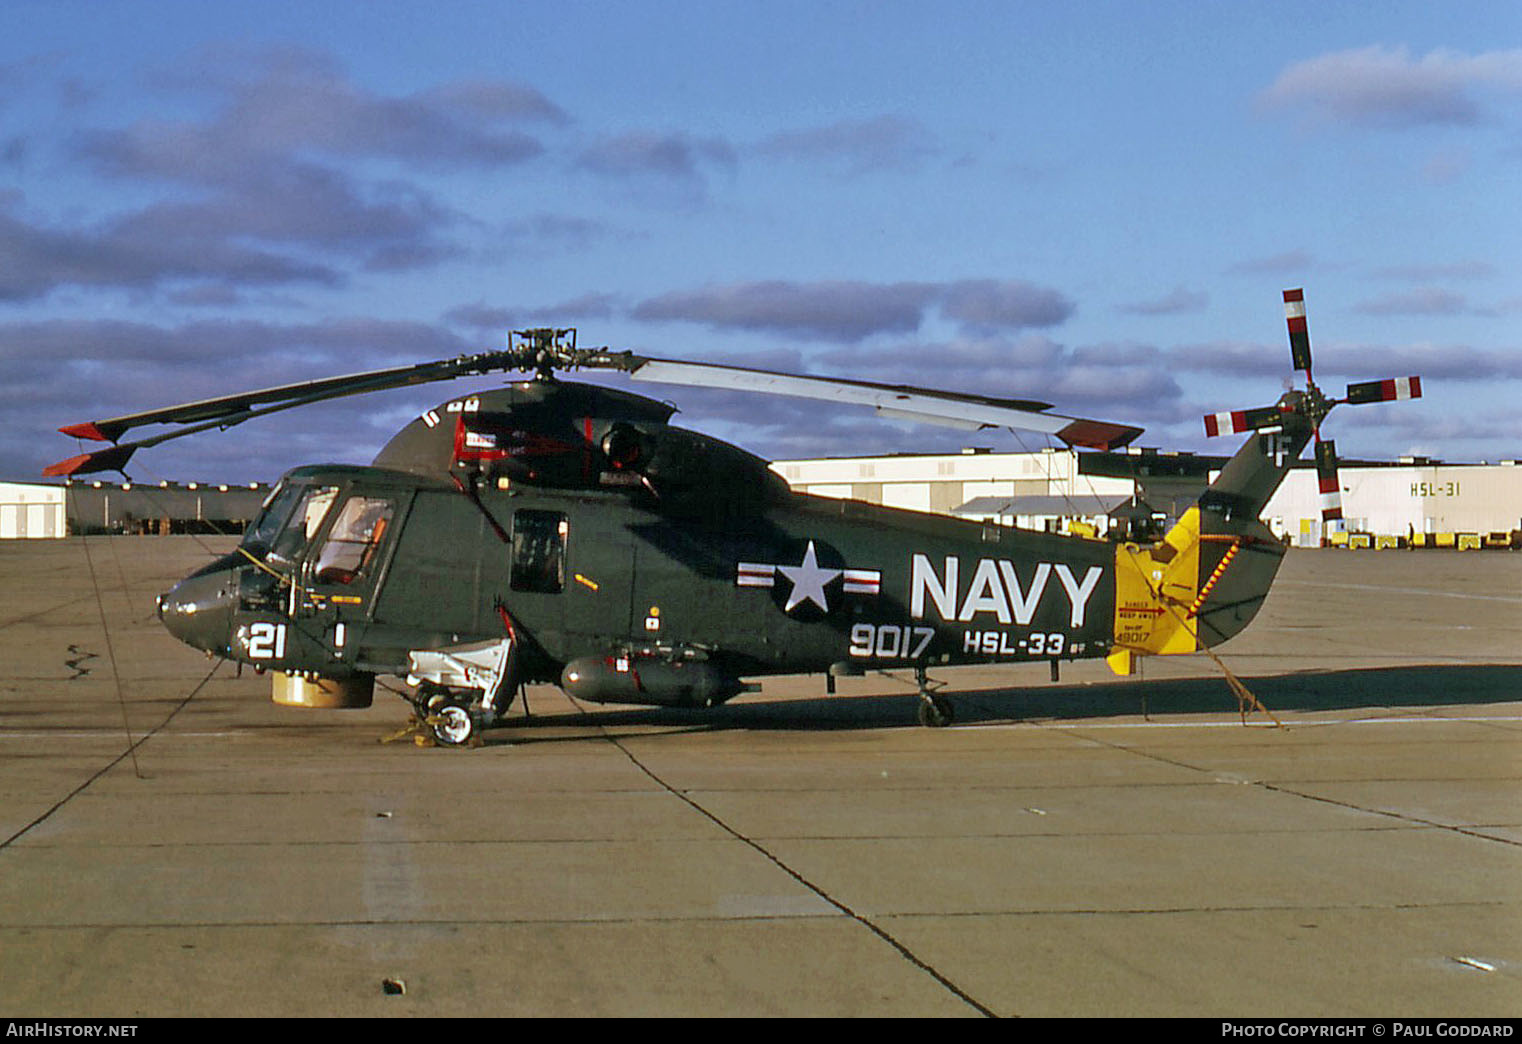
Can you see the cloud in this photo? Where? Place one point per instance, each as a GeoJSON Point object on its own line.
{"type": "Point", "coordinates": [829, 311]}
{"type": "Point", "coordinates": [670, 156]}
{"type": "Point", "coordinates": [1446, 167]}
{"type": "Point", "coordinates": [848, 311]}
{"type": "Point", "coordinates": [545, 232]}
{"type": "Point", "coordinates": [1385, 87]}
{"type": "Point", "coordinates": [860, 146]}
{"type": "Point", "coordinates": [1125, 380]}
{"type": "Point", "coordinates": [497, 321]}
{"type": "Point", "coordinates": [1173, 303]}
{"type": "Point", "coordinates": [267, 187]}
{"type": "Point", "coordinates": [221, 348]}
{"type": "Point", "coordinates": [1447, 362]}
{"type": "Point", "coordinates": [137, 253]}
{"type": "Point", "coordinates": [1274, 264]}
{"type": "Point", "coordinates": [294, 100]}
{"type": "Point", "coordinates": [1455, 270]}
{"type": "Point", "coordinates": [1425, 300]}
{"type": "Point", "coordinates": [987, 304]}
{"type": "Point", "coordinates": [1233, 358]}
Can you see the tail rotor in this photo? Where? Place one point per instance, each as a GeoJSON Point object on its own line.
{"type": "Point", "coordinates": [1314, 405]}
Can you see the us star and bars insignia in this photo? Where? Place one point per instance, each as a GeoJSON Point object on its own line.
{"type": "Point", "coordinates": [809, 579]}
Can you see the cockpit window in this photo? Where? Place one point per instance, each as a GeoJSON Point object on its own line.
{"type": "Point", "coordinates": [277, 508]}
{"type": "Point", "coordinates": [355, 537]}
{"type": "Point", "coordinates": [289, 518]}
{"type": "Point", "coordinates": [306, 518]}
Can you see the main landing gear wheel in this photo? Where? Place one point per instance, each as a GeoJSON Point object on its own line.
{"type": "Point", "coordinates": [445, 715]}
{"type": "Point", "coordinates": [451, 724]}
{"type": "Point", "coordinates": [936, 711]}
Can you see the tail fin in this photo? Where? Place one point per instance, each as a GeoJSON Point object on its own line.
{"type": "Point", "coordinates": [1207, 578]}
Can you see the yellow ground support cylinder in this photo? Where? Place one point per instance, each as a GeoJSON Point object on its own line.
{"type": "Point", "coordinates": [291, 690]}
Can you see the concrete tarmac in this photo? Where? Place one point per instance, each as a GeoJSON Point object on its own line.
{"type": "Point", "coordinates": [171, 843]}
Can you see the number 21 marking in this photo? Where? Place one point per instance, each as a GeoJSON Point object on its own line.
{"type": "Point", "coordinates": [266, 641]}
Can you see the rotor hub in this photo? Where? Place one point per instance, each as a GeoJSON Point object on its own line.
{"type": "Point", "coordinates": [1311, 403]}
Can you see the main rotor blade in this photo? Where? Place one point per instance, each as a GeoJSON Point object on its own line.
{"type": "Point", "coordinates": [112, 458]}
{"type": "Point", "coordinates": [899, 402]}
{"type": "Point", "coordinates": [543, 351]}
{"type": "Point", "coordinates": [234, 409]}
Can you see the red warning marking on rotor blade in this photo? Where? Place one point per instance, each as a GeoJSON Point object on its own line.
{"type": "Point", "coordinates": [1328, 484]}
{"type": "Point", "coordinates": [1231, 422]}
{"type": "Point", "coordinates": [1299, 338]}
{"type": "Point", "coordinates": [1099, 435]}
{"type": "Point", "coordinates": [1391, 390]}
{"type": "Point", "coordinates": [87, 430]}
{"type": "Point", "coordinates": [65, 467]}
{"type": "Point", "coordinates": [111, 459]}
{"type": "Point", "coordinates": [1227, 423]}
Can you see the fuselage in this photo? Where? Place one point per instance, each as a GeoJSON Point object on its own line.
{"type": "Point", "coordinates": [581, 525]}
{"type": "Point", "coordinates": [799, 586]}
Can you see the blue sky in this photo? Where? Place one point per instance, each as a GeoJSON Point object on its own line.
{"type": "Point", "coordinates": [1092, 204]}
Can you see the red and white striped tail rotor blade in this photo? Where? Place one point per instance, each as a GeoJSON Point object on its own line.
{"type": "Point", "coordinates": [1389, 390]}
{"type": "Point", "coordinates": [1299, 334]}
{"type": "Point", "coordinates": [1233, 422]}
{"type": "Point", "coordinates": [1328, 481]}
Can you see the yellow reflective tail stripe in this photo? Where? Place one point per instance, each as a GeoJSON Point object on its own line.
{"type": "Point", "coordinates": [1231, 552]}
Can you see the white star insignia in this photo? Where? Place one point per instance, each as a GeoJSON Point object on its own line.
{"type": "Point", "coordinates": [808, 581]}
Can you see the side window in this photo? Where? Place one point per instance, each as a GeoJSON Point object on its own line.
{"type": "Point", "coordinates": [354, 539]}
{"type": "Point", "coordinates": [539, 551]}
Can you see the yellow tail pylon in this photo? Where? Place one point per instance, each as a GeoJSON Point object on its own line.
{"type": "Point", "coordinates": [1157, 589]}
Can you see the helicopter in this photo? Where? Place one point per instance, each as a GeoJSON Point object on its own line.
{"type": "Point", "coordinates": [565, 532]}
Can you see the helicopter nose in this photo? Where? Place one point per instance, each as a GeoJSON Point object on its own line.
{"type": "Point", "coordinates": [199, 610]}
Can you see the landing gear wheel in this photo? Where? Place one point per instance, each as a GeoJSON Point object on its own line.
{"type": "Point", "coordinates": [936, 712]}
{"type": "Point", "coordinates": [451, 724]}
{"type": "Point", "coordinates": [427, 699]}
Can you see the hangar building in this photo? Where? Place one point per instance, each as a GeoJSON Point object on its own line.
{"type": "Point", "coordinates": [38, 510]}
{"type": "Point", "coordinates": [1413, 501]}
{"type": "Point", "coordinates": [31, 511]}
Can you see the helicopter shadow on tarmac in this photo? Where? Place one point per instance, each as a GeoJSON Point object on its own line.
{"type": "Point", "coordinates": [1368, 688]}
